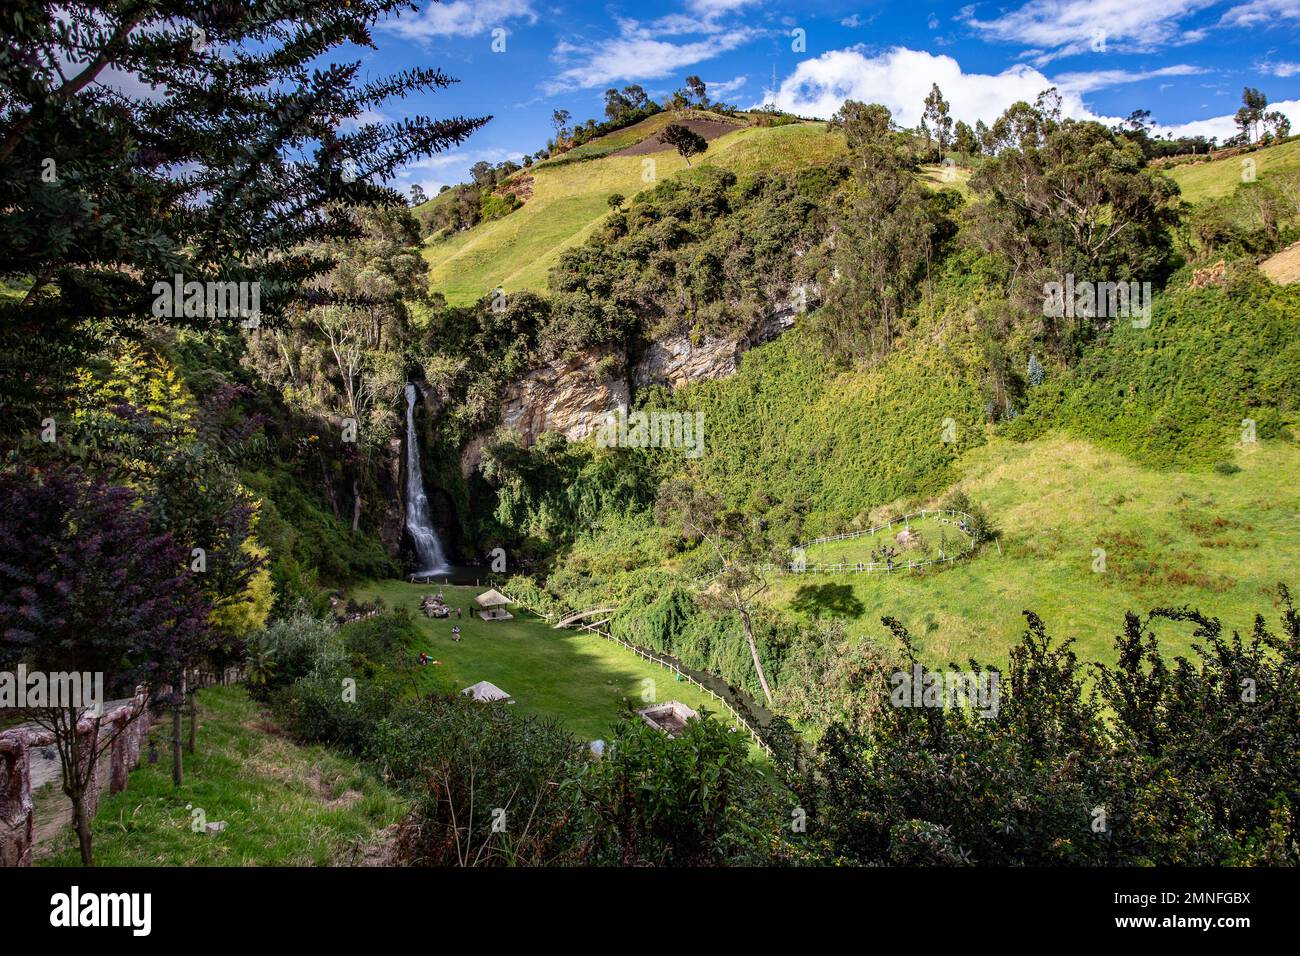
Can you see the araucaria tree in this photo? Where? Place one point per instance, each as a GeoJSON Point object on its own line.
{"type": "Point", "coordinates": [147, 143]}
{"type": "Point", "coordinates": [87, 586]}
{"type": "Point", "coordinates": [241, 153]}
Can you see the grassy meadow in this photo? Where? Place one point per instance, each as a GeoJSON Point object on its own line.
{"type": "Point", "coordinates": [1214, 541]}
{"type": "Point", "coordinates": [1210, 180]}
{"type": "Point", "coordinates": [576, 677]}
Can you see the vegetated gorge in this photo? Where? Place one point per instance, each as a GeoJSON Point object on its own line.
{"type": "Point", "coordinates": [710, 487]}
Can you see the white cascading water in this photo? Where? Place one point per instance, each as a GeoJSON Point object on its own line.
{"type": "Point", "coordinates": [428, 549]}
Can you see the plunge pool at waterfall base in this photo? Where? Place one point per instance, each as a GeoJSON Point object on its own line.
{"type": "Point", "coordinates": [471, 574]}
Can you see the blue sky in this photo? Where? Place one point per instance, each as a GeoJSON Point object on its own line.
{"type": "Point", "coordinates": [1185, 60]}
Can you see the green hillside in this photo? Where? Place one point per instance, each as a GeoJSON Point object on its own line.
{"type": "Point", "coordinates": [1115, 454]}
{"type": "Point", "coordinates": [1216, 178]}
{"type": "Point", "coordinates": [569, 198]}
{"type": "Point", "coordinates": [1170, 537]}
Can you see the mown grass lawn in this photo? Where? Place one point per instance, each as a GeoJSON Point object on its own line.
{"type": "Point", "coordinates": [1218, 542]}
{"type": "Point", "coordinates": [576, 677]}
{"type": "Point", "coordinates": [283, 804]}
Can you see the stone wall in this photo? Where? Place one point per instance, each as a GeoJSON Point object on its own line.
{"type": "Point", "coordinates": [127, 722]}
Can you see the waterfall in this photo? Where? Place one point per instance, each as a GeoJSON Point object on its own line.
{"type": "Point", "coordinates": [428, 549]}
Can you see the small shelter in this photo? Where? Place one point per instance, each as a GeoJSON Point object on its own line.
{"type": "Point", "coordinates": [487, 691]}
{"type": "Point", "coordinates": [494, 604]}
{"type": "Point", "coordinates": [670, 717]}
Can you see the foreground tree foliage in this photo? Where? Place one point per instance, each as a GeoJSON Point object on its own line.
{"type": "Point", "coordinates": [1194, 763]}
{"type": "Point", "coordinates": [87, 585]}
{"type": "Point", "coordinates": [1144, 762]}
{"type": "Point", "coordinates": [239, 158]}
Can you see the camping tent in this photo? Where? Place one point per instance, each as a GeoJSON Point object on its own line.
{"type": "Point", "coordinates": [486, 690]}
{"type": "Point", "coordinates": [494, 604]}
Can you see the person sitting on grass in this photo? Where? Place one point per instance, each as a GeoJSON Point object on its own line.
{"type": "Point", "coordinates": [455, 633]}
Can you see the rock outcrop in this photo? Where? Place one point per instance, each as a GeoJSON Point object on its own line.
{"type": "Point", "coordinates": [675, 360]}
{"type": "Point", "coordinates": [568, 396]}
{"type": "Point", "coordinates": [572, 396]}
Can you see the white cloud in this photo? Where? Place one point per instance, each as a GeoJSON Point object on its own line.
{"type": "Point", "coordinates": [711, 8]}
{"type": "Point", "coordinates": [364, 118]}
{"type": "Point", "coordinates": [1262, 13]}
{"type": "Point", "coordinates": [1224, 127]}
{"type": "Point", "coordinates": [900, 79]}
{"type": "Point", "coordinates": [635, 54]}
{"type": "Point", "coordinates": [1102, 79]}
{"type": "Point", "coordinates": [723, 89]}
{"type": "Point", "coordinates": [1055, 28]}
{"type": "Point", "coordinates": [852, 22]}
{"type": "Point", "coordinates": [1282, 69]}
{"type": "Point", "coordinates": [461, 18]}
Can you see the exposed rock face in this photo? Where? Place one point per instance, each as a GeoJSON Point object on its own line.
{"type": "Point", "coordinates": [472, 455]}
{"type": "Point", "coordinates": [675, 359]}
{"type": "Point", "coordinates": [390, 483]}
{"type": "Point", "coordinates": [564, 396]}
{"type": "Point", "coordinates": [572, 397]}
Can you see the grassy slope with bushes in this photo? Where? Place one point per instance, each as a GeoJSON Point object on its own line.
{"type": "Point", "coordinates": [1157, 477]}
{"type": "Point", "coordinates": [1171, 537]}
{"type": "Point", "coordinates": [570, 199]}
{"type": "Point", "coordinates": [1177, 393]}
{"type": "Point", "coordinates": [1208, 180]}
{"type": "Point", "coordinates": [284, 804]}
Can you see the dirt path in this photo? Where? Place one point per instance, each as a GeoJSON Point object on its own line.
{"type": "Point", "coordinates": [709, 129]}
{"type": "Point", "coordinates": [1284, 267]}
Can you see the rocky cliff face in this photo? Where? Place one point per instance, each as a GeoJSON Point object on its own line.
{"type": "Point", "coordinates": [564, 396]}
{"type": "Point", "coordinates": [573, 396]}
{"type": "Point", "coordinates": [393, 522]}
{"type": "Point", "coordinates": [675, 359]}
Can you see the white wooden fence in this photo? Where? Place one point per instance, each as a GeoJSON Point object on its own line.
{"type": "Point", "coordinates": [946, 516]}
{"type": "Point", "coordinates": [670, 665]}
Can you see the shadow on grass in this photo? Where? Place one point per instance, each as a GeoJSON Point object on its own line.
{"type": "Point", "coordinates": [827, 600]}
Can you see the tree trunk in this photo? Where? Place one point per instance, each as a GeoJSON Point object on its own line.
{"type": "Point", "coordinates": [753, 651]}
{"type": "Point", "coordinates": [178, 768]}
{"type": "Point", "coordinates": [356, 505]}
{"type": "Point", "coordinates": [82, 822]}
{"type": "Point", "coordinates": [194, 723]}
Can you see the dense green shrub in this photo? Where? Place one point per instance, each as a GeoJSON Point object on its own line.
{"type": "Point", "coordinates": [1178, 392]}
{"type": "Point", "coordinates": [696, 800]}
{"type": "Point", "coordinates": [291, 648]}
{"type": "Point", "coordinates": [494, 206]}
{"type": "Point", "coordinates": [322, 708]}
{"type": "Point", "coordinates": [377, 642]}
{"type": "Point", "coordinates": [489, 784]}
{"type": "Point", "coordinates": [705, 250]}
{"type": "Point", "coordinates": [1190, 763]}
